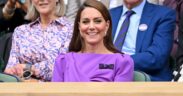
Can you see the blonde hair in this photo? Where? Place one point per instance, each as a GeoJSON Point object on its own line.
{"type": "Point", "coordinates": [33, 14]}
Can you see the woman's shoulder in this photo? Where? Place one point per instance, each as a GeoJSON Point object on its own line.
{"type": "Point", "coordinates": [66, 25]}
{"type": "Point", "coordinates": [60, 57]}
{"type": "Point", "coordinates": [122, 55]}
{"type": "Point", "coordinates": [22, 29]}
{"type": "Point", "coordinates": [65, 21]}
{"type": "Point", "coordinates": [125, 58]}
{"type": "Point", "coordinates": [64, 55]}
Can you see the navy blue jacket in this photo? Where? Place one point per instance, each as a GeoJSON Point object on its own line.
{"type": "Point", "coordinates": [153, 46]}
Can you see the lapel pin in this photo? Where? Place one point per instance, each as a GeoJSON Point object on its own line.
{"type": "Point", "coordinates": [143, 27]}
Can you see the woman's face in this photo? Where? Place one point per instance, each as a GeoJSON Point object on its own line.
{"type": "Point", "coordinates": [45, 6]}
{"type": "Point", "coordinates": [93, 28]}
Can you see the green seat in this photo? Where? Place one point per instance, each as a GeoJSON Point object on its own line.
{"type": "Point", "coordinates": [8, 78]}
{"type": "Point", "coordinates": [141, 77]}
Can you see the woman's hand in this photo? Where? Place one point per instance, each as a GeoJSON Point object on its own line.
{"type": "Point", "coordinates": [16, 70]}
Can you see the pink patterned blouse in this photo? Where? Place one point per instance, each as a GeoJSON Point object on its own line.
{"type": "Point", "coordinates": [34, 45]}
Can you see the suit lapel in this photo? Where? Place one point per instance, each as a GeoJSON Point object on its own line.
{"type": "Point", "coordinates": [144, 22]}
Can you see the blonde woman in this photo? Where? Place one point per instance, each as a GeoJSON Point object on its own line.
{"type": "Point", "coordinates": [35, 45]}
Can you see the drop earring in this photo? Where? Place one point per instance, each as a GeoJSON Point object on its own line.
{"type": "Point", "coordinates": [105, 33]}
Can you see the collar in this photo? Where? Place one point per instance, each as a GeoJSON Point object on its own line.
{"type": "Point", "coordinates": [59, 21]}
{"type": "Point", "coordinates": [137, 9]}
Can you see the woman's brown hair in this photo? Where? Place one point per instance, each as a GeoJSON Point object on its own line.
{"type": "Point", "coordinates": [77, 43]}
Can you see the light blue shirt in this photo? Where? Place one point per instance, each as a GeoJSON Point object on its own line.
{"type": "Point", "coordinates": [129, 45]}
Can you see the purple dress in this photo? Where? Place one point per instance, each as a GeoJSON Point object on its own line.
{"type": "Point", "coordinates": [91, 67]}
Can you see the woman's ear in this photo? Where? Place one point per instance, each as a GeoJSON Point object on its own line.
{"type": "Point", "coordinates": [79, 28]}
{"type": "Point", "coordinates": [107, 25]}
{"type": "Point", "coordinates": [79, 25]}
{"type": "Point", "coordinates": [105, 33]}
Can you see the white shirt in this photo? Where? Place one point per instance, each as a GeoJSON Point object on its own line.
{"type": "Point", "coordinates": [129, 45]}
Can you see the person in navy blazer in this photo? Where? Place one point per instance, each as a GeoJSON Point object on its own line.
{"type": "Point", "coordinates": [154, 38]}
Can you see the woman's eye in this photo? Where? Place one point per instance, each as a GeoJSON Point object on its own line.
{"type": "Point", "coordinates": [98, 21]}
{"type": "Point", "coordinates": [85, 22]}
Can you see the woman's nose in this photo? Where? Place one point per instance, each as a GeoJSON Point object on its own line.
{"type": "Point", "coordinates": [91, 25]}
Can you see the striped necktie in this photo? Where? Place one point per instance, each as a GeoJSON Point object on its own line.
{"type": "Point", "coordinates": [124, 28]}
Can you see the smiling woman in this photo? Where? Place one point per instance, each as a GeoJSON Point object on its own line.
{"type": "Point", "coordinates": [45, 7]}
{"type": "Point", "coordinates": [92, 56]}
{"type": "Point", "coordinates": [36, 45]}
{"type": "Point", "coordinates": [93, 27]}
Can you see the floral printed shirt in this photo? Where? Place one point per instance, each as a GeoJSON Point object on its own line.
{"type": "Point", "coordinates": [34, 45]}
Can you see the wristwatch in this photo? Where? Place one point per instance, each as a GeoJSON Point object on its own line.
{"type": "Point", "coordinates": [27, 71]}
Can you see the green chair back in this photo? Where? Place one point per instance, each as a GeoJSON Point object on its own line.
{"type": "Point", "coordinates": [8, 78]}
{"type": "Point", "coordinates": [141, 77]}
